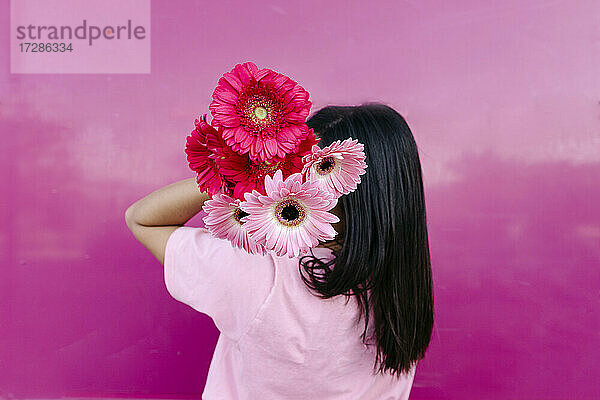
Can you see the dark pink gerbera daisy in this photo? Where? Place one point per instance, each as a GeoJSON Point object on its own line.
{"type": "Point", "coordinates": [261, 112]}
{"type": "Point", "coordinates": [200, 159]}
{"type": "Point", "coordinates": [248, 175]}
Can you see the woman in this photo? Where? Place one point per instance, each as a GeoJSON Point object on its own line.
{"type": "Point", "coordinates": [351, 319]}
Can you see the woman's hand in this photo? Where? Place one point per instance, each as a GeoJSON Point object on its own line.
{"type": "Point", "coordinates": [153, 218]}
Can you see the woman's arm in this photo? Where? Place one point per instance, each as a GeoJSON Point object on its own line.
{"type": "Point", "coordinates": [153, 218]}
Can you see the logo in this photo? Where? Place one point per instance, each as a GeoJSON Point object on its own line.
{"type": "Point", "coordinates": [83, 32]}
{"type": "Point", "coordinates": [72, 36]}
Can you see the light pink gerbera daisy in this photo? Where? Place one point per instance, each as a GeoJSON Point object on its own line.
{"type": "Point", "coordinates": [200, 160]}
{"type": "Point", "coordinates": [248, 175]}
{"type": "Point", "coordinates": [261, 112]}
{"type": "Point", "coordinates": [292, 217]}
{"type": "Point", "coordinates": [336, 168]}
{"type": "Point", "coordinates": [224, 220]}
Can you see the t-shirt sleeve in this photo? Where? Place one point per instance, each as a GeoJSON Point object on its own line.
{"type": "Point", "coordinates": [217, 279]}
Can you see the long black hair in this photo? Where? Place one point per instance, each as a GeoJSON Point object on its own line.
{"type": "Point", "coordinates": [382, 258]}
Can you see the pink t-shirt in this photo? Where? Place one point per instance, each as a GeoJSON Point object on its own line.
{"type": "Point", "coordinates": [278, 340]}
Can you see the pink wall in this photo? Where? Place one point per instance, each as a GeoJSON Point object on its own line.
{"type": "Point", "coordinates": [503, 99]}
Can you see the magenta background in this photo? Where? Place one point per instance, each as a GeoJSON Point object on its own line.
{"type": "Point", "coordinates": [504, 102]}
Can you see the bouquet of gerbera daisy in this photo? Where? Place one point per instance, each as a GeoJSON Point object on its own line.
{"type": "Point", "coordinates": [272, 187]}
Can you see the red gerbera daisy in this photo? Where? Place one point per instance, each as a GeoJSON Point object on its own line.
{"type": "Point", "coordinates": [248, 175]}
{"type": "Point", "coordinates": [199, 156]}
{"type": "Point", "coordinates": [261, 112]}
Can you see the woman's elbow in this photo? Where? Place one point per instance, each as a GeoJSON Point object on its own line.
{"type": "Point", "coordinates": [130, 217]}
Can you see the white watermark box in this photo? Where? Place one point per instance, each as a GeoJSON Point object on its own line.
{"type": "Point", "coordinates": [74, 36]}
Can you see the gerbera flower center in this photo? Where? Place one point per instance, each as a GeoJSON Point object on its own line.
{"type": "Point", "coordinates": [267, 168]}
{"type": "Point", "coordinates": [260, 112]}
{"type": "Point", "coordinates": [326, 166]}
{"type": "Point", "coordinates": [260, 109]}
{"type": "Point", "coordinates": [290, 212]}
{"type": "Point", "coordinates": [238, 214]}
